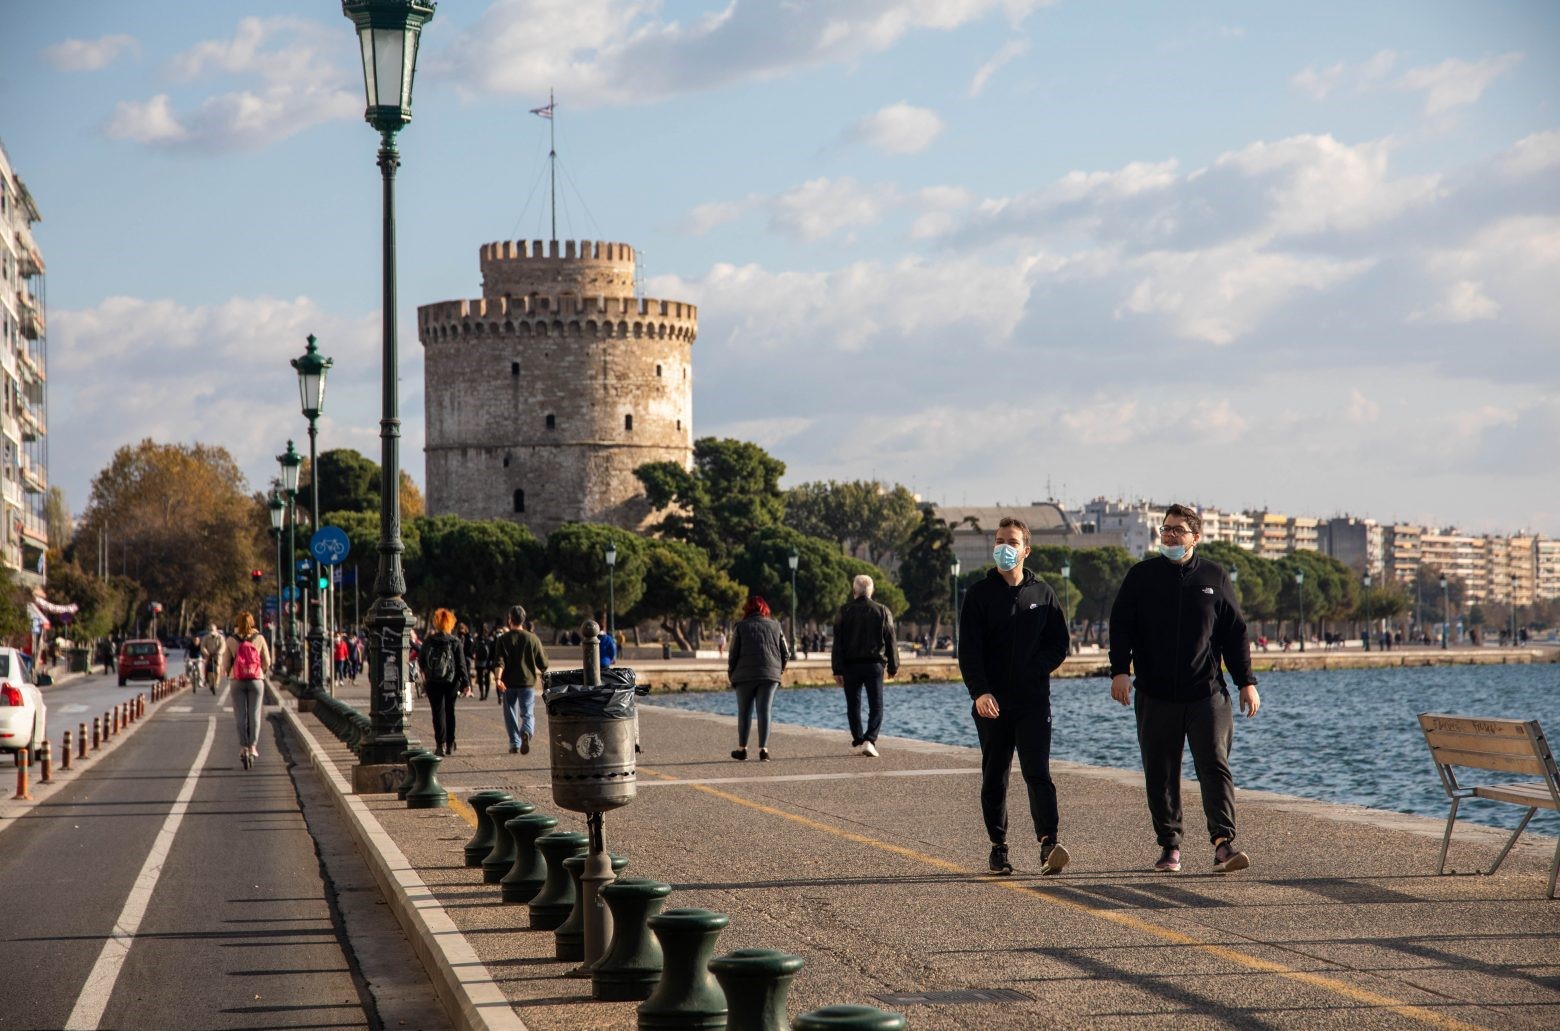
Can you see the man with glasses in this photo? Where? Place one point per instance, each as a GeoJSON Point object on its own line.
{"type": "Point", "coordinates": [1176, 620]}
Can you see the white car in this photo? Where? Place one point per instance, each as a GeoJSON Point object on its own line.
{"type": "Point", "coordinates": [23, 716]}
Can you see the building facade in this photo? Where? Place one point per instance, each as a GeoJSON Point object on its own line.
{"type": "Point", "coordinates": [543, 395]}
{"type": "Point", "coordinates": [24, 418]}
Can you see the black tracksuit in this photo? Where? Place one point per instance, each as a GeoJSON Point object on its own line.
{"type": "Point", "coordinates": [1174, 625]}
{"type": "Point", "coordinates": [1010, 639]}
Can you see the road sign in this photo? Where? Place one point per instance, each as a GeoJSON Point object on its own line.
{"type": "Point", "coordinates": [330, 545]}
{"type": "Point", "coordinates": [289, 593]}
{"type": "Point", "coordinates": [304, 565]}
{"type": "Point", "coordinates": [268, 604]}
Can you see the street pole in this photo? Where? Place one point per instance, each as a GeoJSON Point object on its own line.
{"type": "Point", "coordinates": [1367, 633]}
{"type": "Point", "coordinates": [1300, 599]}
{"type": "Point", "coordinates": [793, 560]}
{"type": "Point", "coordinates": [1446, 614]}
{"type": "Point", "coordinates": [955, 634]}
{"type": "Point", "coordinates": [611, 556]}
{"type": "Point", "coordinates": [316, 616]}
{"type": "Point", "coordinates": [1513, 611]}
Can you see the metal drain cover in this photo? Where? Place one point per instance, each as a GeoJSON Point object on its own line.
{"type": "Point", "coordinates": [966, 995]}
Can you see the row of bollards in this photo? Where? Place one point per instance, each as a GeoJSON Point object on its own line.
{"type": "Point", "coordinates": [103, 727]}
{"type": "Point", "coordinates": [349, 725]}
{"type": "Point", "coordinates": [664, 960]}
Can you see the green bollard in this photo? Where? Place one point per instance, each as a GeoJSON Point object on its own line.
{"type": "Point", "coordinates": [755, 982]}
{"type": "Point", "coordinates": [551, 905]}
{"type": "Point", "coordinates": [527, 869]}
{"type": "Point", "coordinates": [429, 793]}
{"type": "Point", "coordinates": [481, 842]}
{"type": "Point", "coordinates": [409, 781]}
{"type": "Point", "coordinates": [849, 1018]}
{"type": "Point", "coordinates": [497, 862]}
{"type": "Point", "coordinates": [685, 996]}
{"type": "Point", "coordinates": [569, 936]}
{"type": "Point", "coordinates": [632, 965]}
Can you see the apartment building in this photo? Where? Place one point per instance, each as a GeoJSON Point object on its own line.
{"type": "Point", "coordinates": [1463, 556]}
{"type": "Point", "coordinates": [24, 464]}
{"type": "Point", "coordinates": [1400, 549]}
{"type": "Point", "coordinates": [1357, 543]}
{"type": "Point", "coordinates": [1546, 568]}
{"type": "Point", "coordinates": [1135, 524]}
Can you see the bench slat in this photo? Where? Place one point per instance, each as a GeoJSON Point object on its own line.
{"type": "Point", "coordinates": [1473, 724]}
{"type": "Point", "coordinates": [1528, 793]}
{"type": "Point", "coordinates": [1490, 761]}
{"type": "Point", "coordinates": [1479, 743]}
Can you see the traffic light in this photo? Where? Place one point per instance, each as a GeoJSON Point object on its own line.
{"type": "Point", "coordinates": [257, 575]}
{"type": "Point", "coordinates": [323, 583]}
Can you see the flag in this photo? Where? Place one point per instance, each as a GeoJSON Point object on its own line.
{"type": "Point", "coordinates": [545, 112]}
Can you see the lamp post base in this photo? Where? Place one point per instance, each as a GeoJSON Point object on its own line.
{"type": "Point", "coordinates": [376, 778]}
{"type": "Point", "coordinates": [390, 632]}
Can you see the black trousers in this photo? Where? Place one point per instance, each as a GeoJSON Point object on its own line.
{"type": "Point", "coordinates": [867, 675]}
{"type": "Point", "coordinates": [1027, 730]}
{"type": "Point", "coordinates": [484, 681]}
{"type": "Point", "coordinates": [441, 703]}
{"type": "Point", "coordinates": [1165, 729]}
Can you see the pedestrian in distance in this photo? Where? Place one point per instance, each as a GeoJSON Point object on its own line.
{"type": "Point", "coordinates": [608, 645]}
{"type": "Point", "coordinates": [342, 654]}
{"type": "Point", "coordinates": [518, 662]}
{"type": "Point", "coordinates": [246, 662]}
{"type": "Point", "coordinates": [213, 648]}
{"type": "Point", "coordinates": [756, 661]}
{"type": "Point", "coordinates": [1012, 634]}
{"type": "Point", "coordinates": [482, 659]}
{"type": "Point", "coordinates": [720, 644]}
{"type": "Point", "coordinates": [443, 663]}
{"type": "Point", "coordinates": [1176, 621]}
{"type": "Point", "coordinates": [864, 654]}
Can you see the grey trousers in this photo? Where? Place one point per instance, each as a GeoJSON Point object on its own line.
{"type": "Point", "coordinates": [247, 698]}
{"type": "Point", "coordinates": [759, 693]}
{"type": "Point", "coordinates": [1165, 730]}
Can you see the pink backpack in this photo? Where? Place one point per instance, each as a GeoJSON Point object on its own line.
{"type": "Point", "coordinates": [246, 661]}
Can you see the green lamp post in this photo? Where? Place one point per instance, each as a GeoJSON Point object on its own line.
{"type": "Point", "coordinates": [1366, 636]}
{"type": "Point", "coordinates": [611, 591]}
{"type": "Point", "coordinates": [1300, 600]}
{"type": "Point", "coordinates": [388, 34]}
{"type": "Point", "coordinates": [955, 634]}
{"type": "Point", "coordinates": [1446, 613]}
{"type": "Point", "coordinates": [311, 368]}
{"type": "Point", "coordinates": [290, 460]}
{"type": "Point", "coordinates": [277, 508]}
{"type": "Point", "coordinates": [793, 559]}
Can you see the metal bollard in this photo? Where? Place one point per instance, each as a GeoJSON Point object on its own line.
{"type": "Point", "coordinates": [755, 982]}
{"type": "Point", "coordinates": [65, 753]}
{"type": "Point", "coordinates": [97, 739]}
{"type": "Point", "coordinates": [569, 936]}
{"type": "Point", "coordinates": [528, 871]}
{"type": "Point", "coordinates": [685, 996]}
{"type": "Point", "coordinates": [45, 762]}
{"type": "Point", "coordinates": [81, 741]}
{"type": "Point", "coordinates": [23, 760]}
{"type": "Point", "coordinates": [849, 1018]}
{"type": "Point", "coordinates": [552, 904]}
{"type": "Point", "coordinates": [409, 781]}
{"type": "Point", "coordinates": [497, 862]}
{"type": "Point", "coordinates": [632, 965]}
{"type": "Point", "coordinates": [481, 842]}
{"type": "Point", "coordinates": [429, 793]}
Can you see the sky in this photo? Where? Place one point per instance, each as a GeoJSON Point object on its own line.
{"type": "Point", "coordinates": [1294, 257]}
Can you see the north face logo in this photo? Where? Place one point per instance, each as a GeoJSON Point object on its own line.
{"type": "Point", "coordinates": [1207, 590]}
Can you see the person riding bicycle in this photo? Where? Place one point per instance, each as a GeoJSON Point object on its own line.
{"type": "Point", "coordinates": [212, 647]}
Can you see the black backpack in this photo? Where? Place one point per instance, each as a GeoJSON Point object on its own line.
{"type": "Point", "coordinates": [439, 661]}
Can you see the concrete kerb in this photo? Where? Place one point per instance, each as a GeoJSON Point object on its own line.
{"type": "Point", "coordinates": [471, 999]}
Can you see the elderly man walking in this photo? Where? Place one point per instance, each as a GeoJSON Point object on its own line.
{"type": "Point", "coordinates": [864, 654]}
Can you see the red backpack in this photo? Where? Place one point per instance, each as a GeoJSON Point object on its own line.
{"type": "Point", "coordinates": [246, 661]}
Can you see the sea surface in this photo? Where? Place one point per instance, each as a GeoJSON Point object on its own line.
{"type": "Point", "coordinates": [1349, 736]}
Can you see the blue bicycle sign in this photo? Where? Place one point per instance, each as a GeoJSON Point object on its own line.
{"type": "Point", "coordinates": [329, 545]}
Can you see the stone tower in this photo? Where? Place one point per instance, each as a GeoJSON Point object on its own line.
{"type": "Point", "coordinates": [543, 395]}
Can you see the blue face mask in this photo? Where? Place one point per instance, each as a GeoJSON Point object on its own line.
{"type": "Point", "coordinates": [1174, 553]}
{"type": "Point", "coordinates": [1005, 556]}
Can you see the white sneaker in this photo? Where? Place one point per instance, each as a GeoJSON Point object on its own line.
{"type": "Point", "coordinates": [869, 750]}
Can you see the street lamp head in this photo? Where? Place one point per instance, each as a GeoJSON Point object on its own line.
{"type": "Point", "coordinates": [312, 367]}
{"type": "Point", "coordinates": [278, 510]}
{"type": "Point", "coordinates": [1234, 576]}
{"type": "Point", "coordinates": [955, 567]}
{"type": "Point", "coordinates": [1066, 570]}
{"type": "Point", "coordinates": [290, 460]}
{"type": "Point", "coordinates": [793, 559]}
{"type": "Point", "coordinates": [1300, 578]}
{"type": "Point", "coordinates": [1367, 579]}
{"type": "Point", "coordinates": [1443, 583]}
{"type": "Point", "coordinates": [388, 32]}
{"type": "Point", "coordinates": [611, 555]}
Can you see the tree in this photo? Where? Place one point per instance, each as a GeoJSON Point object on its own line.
{"type": "Point", "coordinates": [14, 625]}
{"type": "Point", "coordinates": [926, 570]}
{"type": "Point", "coordinates": [683, 589]}
{"type": "Point", "coordinates": [478, 568]}
{"type": "Point", "coordinates": [349, 482]}
{"type": "Point", "coordinates": [732, 492]}
{"type": "Point", "coordinates": [576, 557]}
{"type": "Point", "coordinates": [823, 575]}
{"type": "Point", "coordinates": [1097, 573]}
{"type": "Point", "coordinates": [868, 519]}
{"type": "Point", "coordinates": [1258, 584]}
{"type": "Point", "coordinates": [56, 516]}
{"type": "Point", "coordinates": [100, 603]}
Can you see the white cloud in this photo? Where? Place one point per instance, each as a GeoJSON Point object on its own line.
{"type": "Point", "coordinates": [823, 207]}
{"type": "Point", "coordinates": [1362, 410]}
{"type": "Point", "coordinates": [89, 55]}
{"type": "Point", "coordinates": [1013, 48]}
{"type": "Point", "coordinates": [1465, 301]}
{"type": "Point", "coordinates": [1532, 154]}
{"type": "Point", "coordinates": [897, 129]}
{"type": "Point", "coordinates": [1456, 83]}
{"type": "Point", "coordinates": [298, 86]}
{"type": "Point", "coordinates": [706, 217]}
{"type": "Point", "coordinates": [1318, 83]}
{"type": "Point", "coordinates": [627, 51]}
{"type": "Point", "coordinates": [1321, 82]}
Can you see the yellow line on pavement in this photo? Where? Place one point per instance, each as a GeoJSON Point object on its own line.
{"type": "Point", "coordinates": [1322, 981]}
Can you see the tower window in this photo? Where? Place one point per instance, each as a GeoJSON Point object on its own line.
{"type": "Point", "coordinates": [506, 459]}
{"type": "Point", "coordinates": [552, 422]}
{"type": "Point", "coordinates": [679, 424]}
{"type": "Point", "coordinates": [519, 500]}
{"type": "Point", "coordinates": [514, 368]}
{"type": "Point", "coordinates": [658, 370]}
{"type": "Point", "coordinates": [628, 422]}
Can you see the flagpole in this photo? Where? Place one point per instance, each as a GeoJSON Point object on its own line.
{"type": "Point", "coordinates": [552, 158]}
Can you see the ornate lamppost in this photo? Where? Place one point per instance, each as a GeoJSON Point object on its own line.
{"type": "Point", "coordinates": [1513, 610]}
{"type": "Point", "coordinates": [1446, 613]}
{"type": "Point", "coordinates": [1367, 612]}
{"type": "Point", "coordinates": [290, 460]}
{"type": "Point", "coordinates": [1066, 594]}
{"type": "Point", "coordinates": [955, 607]}
{"type": "Point", "coordinates": [612, 591]}
{"type": "Point", "coordinates": [278, 511]}
{"type": "Point", "coordinates": [388, 34]}
{"type": "Point", "coordinates": [1300, 597]}
{"type": "Point", "coordinates": [793, 560]}
{"type": "Point", "coordinates": [312, 368]}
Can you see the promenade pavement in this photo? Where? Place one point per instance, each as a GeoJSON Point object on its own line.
{"type": "Point", "coordinates": [873, 872]}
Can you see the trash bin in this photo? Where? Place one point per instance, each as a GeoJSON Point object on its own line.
{"type": "Point", "coordinates": [78, 660]}
{"type": "Point", "coordinates": [593, 729]}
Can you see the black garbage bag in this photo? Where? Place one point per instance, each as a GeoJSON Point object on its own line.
{"type": "Point", "coordinates": [565, 693]}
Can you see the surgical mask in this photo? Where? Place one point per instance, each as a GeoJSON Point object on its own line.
{"type": "Point", "coordinates": [1173, 552]}
{"type": "Point", "coordinates": [1005, 556]}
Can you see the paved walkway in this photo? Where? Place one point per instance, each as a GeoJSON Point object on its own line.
{"type": "Point", "coordinates": [872, 870]}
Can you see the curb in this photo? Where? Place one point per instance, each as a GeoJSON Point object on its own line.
{"type": "Point", "coordinates": [465, 988]}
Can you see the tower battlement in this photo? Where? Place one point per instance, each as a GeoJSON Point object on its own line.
{"type": "Point", "coordinates": [520, 267]}
{"type": "Point", "coordinates": [543, 307]}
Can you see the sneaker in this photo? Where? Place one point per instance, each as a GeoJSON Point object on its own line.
{"type": "Point", "coordinates": [1169, 861]}
{"type": "Point", "coordinates": [739, 754]}
{"type": "Point", "coordinates": [514, 749]}
{"type": "Point", "coordinates": [998, 863]}
{"type": "Point", "coordinates": [438, 749]}
{"type": "Point", "coordinates": [449, 749]}
{"type": "Point", "coordinates": [1053, 857]}
{"type": "Point", "coordinates": [525, 744]}
{"type": "Point", "coordinates": [869, 750]}
{"type": "Point", "coordinates": [1227, 858]}
{"type": "Point", "coordinates": [763, 755]}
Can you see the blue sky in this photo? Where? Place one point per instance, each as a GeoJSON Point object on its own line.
{"type": "Point", "coordinates": [1246, 255]}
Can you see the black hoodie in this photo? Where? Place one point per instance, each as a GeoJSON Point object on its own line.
{"type": "Point", "coordinates": [1010, 639]}
{"type": "Point", "coordinates": [1172, 623]}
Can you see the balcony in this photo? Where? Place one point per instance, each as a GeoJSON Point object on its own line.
{"type": "Point", "coordinates": [30, 262]}
{"type": "Point", "coordinates": [32, 425]}
{"type": "Point", "coordinates": [33, 479]}
{"type": "Point", "coordinates": [29, 364]}
{"type": "Point", "coordinates": [31, 316]}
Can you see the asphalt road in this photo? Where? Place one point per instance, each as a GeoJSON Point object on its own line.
{"type": "Point", "coordinates": [167, 887]}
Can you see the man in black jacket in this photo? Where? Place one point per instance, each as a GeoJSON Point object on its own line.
{"type": "Point", "coordinates": [1012, 634]}
{"type": "Point", "coordinates": [1176, 618]}
{"type": "Point", "coordinates": [864, 652]}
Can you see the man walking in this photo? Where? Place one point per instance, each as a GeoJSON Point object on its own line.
{"type": "Point", "coordinates": [518, 661]}
{"type": "Point", "coordinates": [213, 648]}
{"type": "Point", "coordinates": [1175, 618]}
{"type": "Point", "coordinates": [864, 652]}
{"type": "Point", "coordinates": [1012, 634]}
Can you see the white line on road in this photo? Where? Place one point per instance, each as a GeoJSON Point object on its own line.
{"type": "Point", "coordinates": [952, 771]}
{"type": "Point", "coordinates": [181, 708]}
{"type": "Point", "coordinates": [105, 972]}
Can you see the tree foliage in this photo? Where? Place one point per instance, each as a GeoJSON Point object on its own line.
{"type": "Point", "coordinates": [478, 568]}
{"type": "Point", "coordinates": [349, 482]}
{"type": "Point", "coordinates": [102, 603]}
{"type": "Point", "coordinates": [732, 492]}
{"type": "Point", "coordinates": [867, 519]}
{"type": "Point", "coordinates": [576, 557]}
{"type": "Point", "coordinates": [926, 570]}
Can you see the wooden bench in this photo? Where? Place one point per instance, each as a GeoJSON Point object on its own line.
{"type": "Point", "coordinates": [1501, 745]}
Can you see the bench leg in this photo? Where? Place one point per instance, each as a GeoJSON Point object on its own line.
{"type": "Point", "coordinates": [1554, 868]}
{"type": "Point", "coordinates": [1513, 839]}
{"type": "Point", "coordinates": [1446, 839]}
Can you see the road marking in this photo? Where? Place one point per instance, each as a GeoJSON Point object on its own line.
{"type": "Point", "coordinates": [74, 707]}
{"type": "Point", "coordinates": [811, 776]}
{"type": "Point", "coordinates": [181, 708]}
{"type": "Point", "coordinates": [95, 993]}
{"type": "Point", "coordinates": [1321, 981]}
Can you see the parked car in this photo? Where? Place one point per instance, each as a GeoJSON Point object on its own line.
{"type": "Point", "coordinates": [142, 660]}
{"type": "Point", "coordinates": [23, 715]}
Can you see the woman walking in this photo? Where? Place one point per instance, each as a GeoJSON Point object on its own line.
{"type": "Point", "coordinates": [246, 662]}
{"type": "Point", "coordinates": [754, 663]}
{"type": "Point", "coordinates": [443, 663]}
